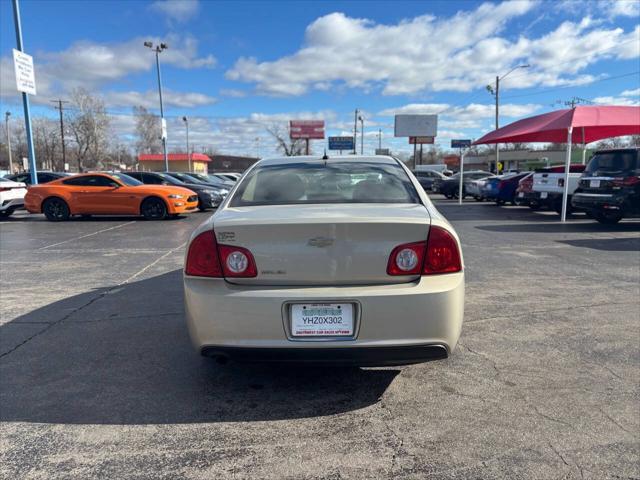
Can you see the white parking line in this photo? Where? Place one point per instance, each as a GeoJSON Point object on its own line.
{"type": "Point", "coordinates": [87, 235]}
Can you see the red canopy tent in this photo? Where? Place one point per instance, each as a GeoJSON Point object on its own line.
{"type": "Point", "coordinates": [582, 124]}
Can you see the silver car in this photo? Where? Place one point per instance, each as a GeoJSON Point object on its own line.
{"type": "Point", "coordinates": [342, 260]}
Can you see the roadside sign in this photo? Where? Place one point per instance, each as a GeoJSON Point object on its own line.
{"type": "Point", "coordinates": [25, 164]}
{"type": "Point", "coordinates": [460, 143]}
{"type": "Point", "coordinates": [66, 167]}
{"type": "Point", "coordinates": [416, 126]}
{"type": "Point", "coordinates": [340, 143]}
{"type": "Point", "coordinates": [25, 75]}
{"type": "Point", "coordinates": [310, 129]}
{"type": "Point", "coordinates": [383, 151]}
{"type": "Point", "coordinates": [164, 129]}
{"type": "Point", "coordinates": [421, 140]}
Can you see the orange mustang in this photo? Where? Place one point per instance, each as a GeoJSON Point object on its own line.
{"type": "Point", "coordinates": [107, 194]}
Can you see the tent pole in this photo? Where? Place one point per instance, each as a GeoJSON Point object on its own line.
{"type": "Point", "coordinates": [567, 167]}
{"type": "Point", "coordinates": [584, 149]}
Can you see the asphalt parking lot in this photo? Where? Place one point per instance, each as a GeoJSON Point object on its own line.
{"type": "Point", "coordinates": [98, 378]}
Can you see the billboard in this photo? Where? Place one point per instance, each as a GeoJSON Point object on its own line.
{"type": "Point", "coordinates": [312, 129]}
{"type": "Point", "coordinates": [421, 140]}
{"type": "Point", "coordinates": [416, 126]}
{"type": "Point", "coordinates": [340, 143]}
{"type": "Point", "coordinates": [383, 151]}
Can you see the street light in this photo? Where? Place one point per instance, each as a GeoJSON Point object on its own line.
{"type": "Point", "coordinates": [497, 95]}
{"type": "Point", "coordinates": [158, 49]}
{"type": "Point", "coordinates": [361, 118]}
{"type": "Point", "coordinates": [355, 131]}
{"type": "Point", "coordinates": [6, 121]}
{"type": "Point", "coordinates": [186, 122]}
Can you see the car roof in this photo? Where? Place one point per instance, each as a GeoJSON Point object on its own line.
{"type": "Point", "coordinates": [382, 159]}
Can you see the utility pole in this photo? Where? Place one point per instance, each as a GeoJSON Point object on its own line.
{"type": "Point", "coordinates": [361, 118]}
{"type": "Point", "coordinates": [379, 139]}
{"type": "Point", "coordinates": [25, 99]}
{"type": "Point", "coordinates": [496, 93]}
{"type": "Point", "coordinates": [157, 50]}
{"type": "Point", "coordinates": [59, 108]}
{"type": "Point", "coordinates": [355, 132]}
{"type": "Point", "coordinates": [186, 122]}
{"type": "Point", "coordinates": [6, 121]}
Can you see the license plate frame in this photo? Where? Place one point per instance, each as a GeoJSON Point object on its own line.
{"type": "Point", "coordinates": [291, 330]}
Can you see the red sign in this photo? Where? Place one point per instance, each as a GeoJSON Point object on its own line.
{"type": "Point", "coordinates": [306, 129]}
{"type": "Point", "coordinates": [421, 140]}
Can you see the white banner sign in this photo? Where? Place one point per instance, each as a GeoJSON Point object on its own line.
{"type": "Point", "coordinates": [25, 75]}
{"type": "Point", "coordinates": [416, 126]}
{"type": "Point", "coordinates": [164, 129]}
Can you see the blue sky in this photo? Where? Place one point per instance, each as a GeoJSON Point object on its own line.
{"type": "Point", "coordinates": [236, 67]}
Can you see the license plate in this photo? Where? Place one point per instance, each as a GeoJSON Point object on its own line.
{"type": "Point", "coordinates": [543, 194]}
{"type": "Point", "coordinates": [594, 183]}
{"type": "Point", "coordinates": [322, 320]}
{"type": "Point", "coordinates": [521, 194]}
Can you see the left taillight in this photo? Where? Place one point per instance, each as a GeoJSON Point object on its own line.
{"type": "Point", "coordinates": [202, 258]}
{"type": "Point", "coordinates": [207, 258]}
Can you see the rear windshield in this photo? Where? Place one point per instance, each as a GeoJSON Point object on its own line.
{"type": "Point", "coordinates": [613, 164]}
{"type": "Point", "coordinates": [333, 182]}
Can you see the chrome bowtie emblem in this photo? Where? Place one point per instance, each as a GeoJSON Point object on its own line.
{"type": "Point", "coordinates": [320, 242]}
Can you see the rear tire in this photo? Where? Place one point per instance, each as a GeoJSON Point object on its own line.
{"type": "Point", "coordinates": [153, 209]}
{"type": "Point", "coordinates": [608, 218]}
{"type": "Point", "coordinates": [56, 210]}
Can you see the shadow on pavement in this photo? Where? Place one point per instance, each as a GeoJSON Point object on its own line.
{"type": "Point", "coordinates": [557, 227]}
{"type": "Point", "coordinates": [606, 244]}
{"type": "Point", "coordinates": [123, 356]}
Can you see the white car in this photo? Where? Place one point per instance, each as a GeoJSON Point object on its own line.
{"type": "Point", "coordinates": [11, 196]}
{"type": "Point", "coordinates": [338, 261]}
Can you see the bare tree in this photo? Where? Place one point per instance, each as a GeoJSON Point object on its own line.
{"type": "Point", "coordinates": [46, 139]}
{"type": "Point", "coordinates": [89, 126]}
{"type": "Point", "coordinates": [288, 146]}
{"type": "Point", "coordinates": [147, 131]}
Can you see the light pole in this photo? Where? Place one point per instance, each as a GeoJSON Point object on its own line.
{"type": "Point", "coordinates": [379, 139]}
{"type": "Point", "coordinates": [496, 93]}
{"type": "Point", "coordinates": [257, 139]}
{"type": "Point", "coordinates": [6, 121]}
{"type": "Point", "coordinates": [186, 122]}
{"type": "Point", "coordinates": [355, 132]}
{"type": "Point", "coordinates": [158, 49]}
{"type": "Point", "coordinates": [361, 118]}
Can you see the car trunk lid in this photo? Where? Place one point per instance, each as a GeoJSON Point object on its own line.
{"type": "Point", "coordinates": [329, 244]}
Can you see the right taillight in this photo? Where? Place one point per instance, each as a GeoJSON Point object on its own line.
{"type": "Point", "coordinates": [442, 253]}
{"type": "Point", "coordinates": [207, 258]}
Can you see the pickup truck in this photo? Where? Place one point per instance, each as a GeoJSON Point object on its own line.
{"type": "Point", "coordinates": [548, 186]}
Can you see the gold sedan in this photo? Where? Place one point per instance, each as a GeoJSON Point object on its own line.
{"type": "Point", "coordinates": [340, 261]}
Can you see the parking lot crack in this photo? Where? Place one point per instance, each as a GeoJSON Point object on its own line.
{"type": "Point", "coordinates": [558, 454]}
{"type": "Point", "coordinates": [612, 420]}
{"type": "Point", "coordinates": [398, 446]}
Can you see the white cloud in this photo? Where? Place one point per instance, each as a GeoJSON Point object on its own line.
{"type": "Point", "coordinates": [176, 10]}
{"type": "Point", "coordinates": [457, 53]}
{"type": "Point", "coordinates": [473, 111]}
{"type": "Point", "coordinates": [94, 65]}
{"type": "Point", "coordinates": [631, 93]}
{"type": "Point", "coordinates": [232, 92]}
{"type": "Point", "coordinates": [150, 100]}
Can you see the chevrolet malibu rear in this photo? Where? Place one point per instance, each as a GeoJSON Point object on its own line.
{"type": "Point", "coordinates": [336, 261]}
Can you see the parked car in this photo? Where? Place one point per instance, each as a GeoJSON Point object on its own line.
{"type": "Point", "coordinates": [11, 196]}
{"type": "Point", "coordinates": [208, 196]}
{"type": "Point", "coordinates": [549, 185]}
{"type": "Point", "coordinates": [450, 187]}
{"type": "Point", "coordinates": [475, 188]}
{"type": "Point", "coordinates": [427, 177]}
{"type": "Point", "coordinates": [263, 282]}
{"type": "Point", "coordinates": [609, 189]}
{"type": "Point", "coordinates": [506, 188]}
{"type": "Point", "coordinates": [208, 178]}
{"type": "Point", "coordinates": [43, 177]}
{"type": "Point", "coordinates": [190, 178]}
{"type": "Point", "coordinates": [107, 194]}
{"type": "Point", "coordinates": [525, 191]}
{"type": "Point", "coordinates": [233, 176]}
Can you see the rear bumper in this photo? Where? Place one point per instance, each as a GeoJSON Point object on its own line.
{"type": "Point", "coordinates": [394, 323]}
{"type": "Point", "coordinates": [590, 202]}
{"type": "Point", "coordinates": [358, 356]}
